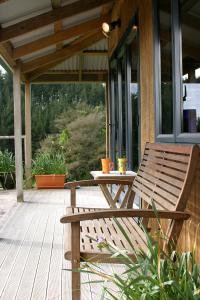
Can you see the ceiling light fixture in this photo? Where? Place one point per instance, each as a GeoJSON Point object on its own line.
{"type": "Point", "coordinates": [108, 27]}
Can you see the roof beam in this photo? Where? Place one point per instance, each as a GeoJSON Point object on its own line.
{"type": "Point", "coordinates": [59, 36]}
{"type": "Point", "coordinates": [6, 51]}
{"type": "Point", "coordinates": [95, 52]}
{"type": "Point", "coordinates": [69, 77]}
{"type": "Point", "coordinates": [62, 54]}
{"type": "Point", "coordinates": [58, 24]}
{"type": "Point", "coordinates": [47, 18]}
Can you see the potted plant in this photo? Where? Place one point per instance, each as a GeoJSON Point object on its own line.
{"type": "Point", "coordinates": [49, 170]}
{"type": "Point", "coordinates": [7, 169]}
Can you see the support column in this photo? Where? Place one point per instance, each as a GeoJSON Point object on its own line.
{"type": "Point", "coordinates": [28, 143]}
{"type": "Point", "coordinates": [18, 131]}
{"type": "Point", "coordinates": [107, 118]}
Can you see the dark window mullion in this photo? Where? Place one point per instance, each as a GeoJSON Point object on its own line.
{"type": "Point", "coordinates": [129, 122]}
{"type": "Point", "coordinates": [112, 116]}
{"type": "Point", "coordinates": [120, 128]}
{"type": "Point", "coordinates": [176, 66]}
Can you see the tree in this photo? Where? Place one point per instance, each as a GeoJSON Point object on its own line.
{"type": "Point", "coordinates": [81, 139]}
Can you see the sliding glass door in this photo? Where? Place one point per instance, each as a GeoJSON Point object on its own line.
{"type": "Point", "coordinates": [125, 101]}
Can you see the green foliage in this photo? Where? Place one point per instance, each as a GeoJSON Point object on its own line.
{"type": "Point", "coordinates": [46, 163]}
{"type": "Point", "coordinates": [7, 169]}
{"type": "Point", "coordinates": [68, 118]}
{"type": "Point", "coordinates": [153, 275]}
{"type": "Point", "coordinates": [7, 162]}
{"type": "Point", "coordinates": [50, 100]}
{"type": "Point", "coordinates": [81, 139]}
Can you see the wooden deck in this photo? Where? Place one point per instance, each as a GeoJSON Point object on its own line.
{"type": "Point", "coordinates": [31, 247]}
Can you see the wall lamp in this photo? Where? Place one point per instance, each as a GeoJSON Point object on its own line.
{"type": "Point", "coordinates": [108, 27]}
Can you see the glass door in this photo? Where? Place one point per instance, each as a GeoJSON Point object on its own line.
{"type": "Point", "coordinates": [125, 100]}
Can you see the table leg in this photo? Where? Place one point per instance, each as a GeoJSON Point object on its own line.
{"type": "Point", "coordinates": [108, 196]}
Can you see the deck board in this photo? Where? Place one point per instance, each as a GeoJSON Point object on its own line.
{"type": "Point", "coordinates": [32, 265]}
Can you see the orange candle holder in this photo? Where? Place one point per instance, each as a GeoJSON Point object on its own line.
{"type": "Point", "coordinates": [107, 165]}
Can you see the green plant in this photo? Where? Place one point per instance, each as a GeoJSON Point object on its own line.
{"type": "Point", "coordinates": [155, 275]}
{"type": "Point", "coordinates": [7, 162]}
{"type": "Point", "coordinates": [46, 163]}
{"type": "Point", "coordinates": [7, 169]}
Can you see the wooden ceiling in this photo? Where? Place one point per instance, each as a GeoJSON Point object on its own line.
{"type": "Point", "coordinates": [42, 52]}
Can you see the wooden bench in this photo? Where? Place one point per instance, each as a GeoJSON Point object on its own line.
{"type": "Point", "coordinates": [165, 176]}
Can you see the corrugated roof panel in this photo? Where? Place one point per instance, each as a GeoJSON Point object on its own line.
{"type": "Point", "coordinates": [33, 35]}
{"type": "Point", "coordinates": [90, 63]}
{"type": "Point", "coordinates": [70, 64]}
{"type": "Point", "coordinates": [86, 16]}
{"type": "Point", "coordinates": [93, 62]}
{"type": "Point", "coordinates": [101, 45]}
{"type": "Point", "coordinates": [13, 11]}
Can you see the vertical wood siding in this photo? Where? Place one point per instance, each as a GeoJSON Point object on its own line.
{"type": "Point", "coordinates": [125, 10]}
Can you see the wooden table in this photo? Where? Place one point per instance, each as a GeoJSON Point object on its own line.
{"type": "Point", "coordinates": [113, 199]}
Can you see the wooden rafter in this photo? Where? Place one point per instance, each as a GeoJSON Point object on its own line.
{"type": "Point", "coordinates": [58, 24]}
{"type": "Point", "coordinates": [6, 52]}
{"type": "Point", "coordinates": [82, 28]}
{"type": "Point", "coordinates": [50, 17]}
{"type": "Point", "coordinates": [95, 52]}
{"type": "Point", "coordinates": [43, 64]}
{"type": "Point", "coordinates": [59, 55]}
{"type": "Point", "coordinates": [72, 77]}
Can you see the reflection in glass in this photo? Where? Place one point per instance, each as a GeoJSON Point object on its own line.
{"type": "Point", "coordinates": [134, 100]}
{"type": "Point", "coordinates": [166, 66]}
{"type": "Point", "coordinates": [190, 66]}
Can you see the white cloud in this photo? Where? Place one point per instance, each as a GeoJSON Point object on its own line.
{"type": "Point", "coordinates": [2, 70]}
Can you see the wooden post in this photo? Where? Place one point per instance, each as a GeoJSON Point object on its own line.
{"type": "Point", "coordinates": [18, 131]}
{"type": "Point", "coordinates": [107, 118]}
{"type": "Point", "coordinates": [28, 144]}
{"type": "Point", "coordinates": [76, 276]}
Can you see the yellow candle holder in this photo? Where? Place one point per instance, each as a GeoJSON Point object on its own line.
{"type": "Point", "coordinates": [122, 165]}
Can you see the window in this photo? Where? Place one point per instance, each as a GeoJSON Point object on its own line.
{"type": "Point", "coordinates": [190, 108]}
{"type": "Point", "coordinates": [177, 75]}
{"type": "Point", "coordinates": [125, 100]}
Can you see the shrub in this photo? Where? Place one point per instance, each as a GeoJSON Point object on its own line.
{"type": "Point", "coordinates": [81, 139]}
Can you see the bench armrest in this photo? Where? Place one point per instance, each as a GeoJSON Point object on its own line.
{"type": "Point", "coordinates": [121, 213]}
{"type": "Point", "coordinates": [93, 182]}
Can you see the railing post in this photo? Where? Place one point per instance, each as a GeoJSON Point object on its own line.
{"type": "Point", "coordinates": [18, 131]}
{"type": "Point", "coordinates": [28, 144]}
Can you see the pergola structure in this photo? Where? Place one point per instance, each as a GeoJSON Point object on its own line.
{"type": "Point", "coordinates": [50, 41]}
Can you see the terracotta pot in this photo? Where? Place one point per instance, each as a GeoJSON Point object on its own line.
{"type": "Point", "coordinates": [50, 181]}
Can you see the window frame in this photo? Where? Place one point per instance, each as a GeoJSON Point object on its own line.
{"type": "Point", "coordinates": [177, 136]}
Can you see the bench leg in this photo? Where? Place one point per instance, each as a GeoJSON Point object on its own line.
{"type": "Point", "coordinates": [75, 242]}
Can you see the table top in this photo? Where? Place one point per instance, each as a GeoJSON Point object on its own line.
{"type": "Point", "coordinates": [113, 175]}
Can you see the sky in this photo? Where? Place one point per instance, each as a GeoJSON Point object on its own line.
{"type": "Point", "coordinates": [2, 70]}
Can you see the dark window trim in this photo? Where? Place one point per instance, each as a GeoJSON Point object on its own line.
{"type": "Point", "coordinates": [120, 120]}
{"type": "Point", "coordinates": [129, 139]}
{"type": "Point", "coordinates": [112, 117]}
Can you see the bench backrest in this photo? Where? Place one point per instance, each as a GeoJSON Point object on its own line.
{"type": "Point", "coordinates": [165, 175]}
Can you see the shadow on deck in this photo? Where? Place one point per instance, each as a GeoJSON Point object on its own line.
{"type": "Point", "coordinates": [31, 246]}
